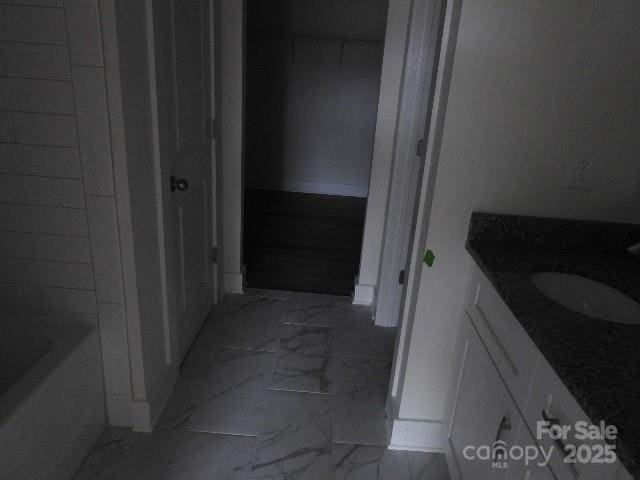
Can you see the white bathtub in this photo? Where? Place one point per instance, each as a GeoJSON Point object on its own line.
{"type": "Point", "coordinates": [51, 396]}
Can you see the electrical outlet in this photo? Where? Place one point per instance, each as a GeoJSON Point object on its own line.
{"type": "Point", "coordinates": [582, 173]}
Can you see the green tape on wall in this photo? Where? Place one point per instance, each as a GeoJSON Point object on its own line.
{"type": "Point", "coordinates": [429, 258]}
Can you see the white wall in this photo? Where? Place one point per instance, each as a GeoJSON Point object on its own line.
{"type": "Point", "coordinates": [59, 248]}
{"type": "Point", "coordinates": [535, 86]}
{"type": "Point", "coordinates": [231, 123]}
{"type": "Point", "coordinates": [313, 80]}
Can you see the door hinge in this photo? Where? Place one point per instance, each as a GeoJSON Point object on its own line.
{"type": "Point", "coordinates": [212, 128]}
{"type": "Point", "coordinates": [401, 277]}
{"type": "Point", "coordinates": [214, 255]}
{"type": "Point", "coordinates": [420, 148]}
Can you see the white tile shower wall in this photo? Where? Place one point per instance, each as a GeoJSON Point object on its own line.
{"type": "Point", "coordinates": [59, 242]}
{"type": "Point", "coordinates": [42, 214]}
{"type": "Point", "coordinates": [28, 60]}
{"type": "Point", "coordinates": [103, 228]}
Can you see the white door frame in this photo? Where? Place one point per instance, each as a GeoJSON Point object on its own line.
{"type": "Point", "coordinates": [408, 433]}
{"type": "Point", "coordinates": [393, 68]}
{"type": "Point", "coordinates": [408, 164]}
{"type": "Point", "coordinates": [232, 127]}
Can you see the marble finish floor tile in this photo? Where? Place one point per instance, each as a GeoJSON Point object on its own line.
{"type": "Point", "coordinates": [360, 397]}
{"type": "Point", "coordinates": [233, 398]}
{"type": "Point", "coordinates": [120, 454]}
{"type": "Point", "coordinates": [180, 406]}
{"type": "Point", "coordinates": [209, 456]}
{"type": "Point", "coordinates": [358, 337]}
{"type": "Point", "coordinates": [323, 310]}
{"type": "Point", "coordinates": [253, 325]}
{"type": "Point", "coordinates": [243, 307]}
{"type": "Point", "coordinates": [295, 438]}
{"type": "Point", "coordinates": [428, 466]}
{"type": "Point", "coordinates": [358, 462]}
{"type": "Point", "coordinates": [303, 363]}
{"type": "Point", "coordinates": [200, 358]}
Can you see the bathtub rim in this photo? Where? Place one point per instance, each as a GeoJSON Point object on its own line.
{"type": "Point", "coordinates": [64, 339]}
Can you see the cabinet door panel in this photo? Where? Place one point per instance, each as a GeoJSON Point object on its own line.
{"type": "Point", "coordinates": [483, 413]}
{"type": "Point", "coordinates": [531, 469]}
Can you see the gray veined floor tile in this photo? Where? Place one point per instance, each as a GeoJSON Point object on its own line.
{"type": "Point", "coordinates": [356, 336]}
{"type": "Point", "coordinates": [303, 362]}
{"type": "Point", "coordinates": [234, 395]}
{"type": "Point", "coordinates": [358, 462]}
{"type": "Point", "coordinates": [251, 325]}
{"type": "Point", "coordinates": [207, 456]}
{"type": "Point", "coordinates": [120, 454]}
{"type": "Point", "coordinates": [295, 438]}
{"type": "Point", "coordinates": [181, 405]}
{"type": "Point", "coordinates": [315, 309]}
{"type": "Point", "coordinates": [428, 466]}
{"type": "Point", "coordinates": [242, 307]}
{"type": "Point", "coordinates": [200, 358]}
{"type": "Point", "coordinates": [360, 396]}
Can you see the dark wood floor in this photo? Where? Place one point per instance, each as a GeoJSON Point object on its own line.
{"type": "Point", "coordinates": [302, 242]}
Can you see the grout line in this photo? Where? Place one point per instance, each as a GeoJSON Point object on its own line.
{"type": "Point", "coordinates": [21, 77]}
{"type": "Point", "coordinates": [23, 5]}
{"type": "Point", "coordinates": [245, 435]}
{"type": "Point", "coordinates": [100, 195]}
{"type": "Point", "coordinates": [42, 145]}
{"type": "Point", "coordinates": [44, 233]}
{"type": "Point", "coordinates": [35, 259]}
{"type": "Point", "coordinates": [47, 44]}
{"type": "Point", "coordinates": [41, 205]}
{"type": "Point", "coordinates": [86, 65]}
{"type": "Point", "coordinates": [53, 177]}
{"type": "Point", "coordinates": [15, 284]}
{"type": "Point", "coordinates": [33, 112]}
{"type": "Point", "coordinates": [39, 145]}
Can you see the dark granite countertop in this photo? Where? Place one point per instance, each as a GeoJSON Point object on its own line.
{"type": "Point", "coordinates": [598, 361]}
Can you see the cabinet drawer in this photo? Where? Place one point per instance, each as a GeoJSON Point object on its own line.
{"type": "Point", "coordinates": [551, 401]}
{"type": "Point", "coordinates": [483, 413]}
{"type": "Point", "coordinates": [510, 347]}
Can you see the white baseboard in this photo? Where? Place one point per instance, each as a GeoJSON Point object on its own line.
{"type": "Point", "coordinates": [417, 436]}
{"type": "Point", "coordinates": [119, 410]}
{"type": "Point", "coordinates": [364, 294]}
{"type": "Point", "coordinates": [234, 282]}
{"type": "Point", "coordinates": [145, 413]}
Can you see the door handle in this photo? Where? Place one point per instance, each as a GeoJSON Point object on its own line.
{"type": "Point", "coordinates": [178, 184]}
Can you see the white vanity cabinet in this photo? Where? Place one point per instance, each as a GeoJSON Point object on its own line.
{"type": "Point", "coordinates": [551, 401]}
{"type": "Point", "coordinates": [500, 389]}
{"type": "Point", "coordinates": [483, 410]}
{"type": "Point", "coordinates": [528, 470]}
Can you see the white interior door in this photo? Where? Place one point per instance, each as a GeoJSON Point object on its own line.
{"type": "Point", "coordinates": [183, 82]}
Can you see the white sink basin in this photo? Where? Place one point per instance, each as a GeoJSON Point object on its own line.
{"type": "Point", "coordinates": [588, 296]}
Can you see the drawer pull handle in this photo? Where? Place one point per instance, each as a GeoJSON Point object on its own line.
{"type": "Point", "coordinates": [559, 443]}
{"type": "Point", "coordinates": [504, 426]}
